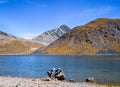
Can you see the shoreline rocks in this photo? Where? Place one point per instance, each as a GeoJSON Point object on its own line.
{"type": "Point", "coordinates": [71, 80]}
{"type": "Point", "coordinates": [32, 82]}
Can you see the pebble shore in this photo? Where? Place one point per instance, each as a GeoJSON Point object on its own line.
{"type": "Point", "coordinates": [7, 81]}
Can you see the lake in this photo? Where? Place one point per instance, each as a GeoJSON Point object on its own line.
{"type": "Point", "coordinates": [102, 68]}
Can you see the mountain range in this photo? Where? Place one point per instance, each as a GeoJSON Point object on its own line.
{"type": "Point", "coordinates": [100, 36]}
{"type": "Point", "coordinates": [97, 37]}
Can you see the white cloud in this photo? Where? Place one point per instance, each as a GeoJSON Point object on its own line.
{"type": "Point", "coordinates": [28, 35]}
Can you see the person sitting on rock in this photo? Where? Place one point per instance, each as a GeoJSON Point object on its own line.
{"type": "Point", "coordinates": [57, 72]}
{"type": "Point", "coordinates": [52, 72]}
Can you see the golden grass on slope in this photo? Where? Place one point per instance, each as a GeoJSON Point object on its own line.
{"type": "Point", "coordinates": [90, 49]}
{"type": "Point", "coordinates": [17, 46]}
{"type": "Point", "coordinates": [115, 45]}
{"type": "Point", "coordinates": [97, 24]}
{"type": "Point", "coordinates": [64, 49]}
{"type": "Point", "coordinates": [87, 48]}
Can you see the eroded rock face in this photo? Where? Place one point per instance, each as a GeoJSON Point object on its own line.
{"type": "Point", "coordinates": [48, 37]}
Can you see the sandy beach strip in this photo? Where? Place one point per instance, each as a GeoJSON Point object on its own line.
{"type": "Point", "coordinates": [7, 81]}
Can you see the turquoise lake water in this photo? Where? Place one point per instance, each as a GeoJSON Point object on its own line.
{"type": "Point", "coordinates": [102, 68]}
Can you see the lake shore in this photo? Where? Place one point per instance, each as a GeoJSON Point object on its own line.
{"type": "Point", "coordinates": [61, 54]}
{"type": "Point", "coordinates": [7, 81]}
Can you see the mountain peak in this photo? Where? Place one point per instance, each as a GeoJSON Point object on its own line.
{"type": "Point", "coordinates": [6, 36]}
{"type": "Point", "coordinates": [48, 37]}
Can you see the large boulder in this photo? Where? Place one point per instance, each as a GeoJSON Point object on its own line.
{"type": "Point", "coordinates": [61, 76]}
{"type": "Point", "coordinates": [56, 74]}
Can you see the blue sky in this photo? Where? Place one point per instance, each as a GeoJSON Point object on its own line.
{"type": "Point", "coordinates": [28, 18]}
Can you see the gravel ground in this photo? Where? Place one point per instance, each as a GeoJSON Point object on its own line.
{"type": "Point", "coordinates": [31, 82]}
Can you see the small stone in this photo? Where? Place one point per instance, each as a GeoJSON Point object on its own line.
{"type": "Point", "coordinates": [72, 80]}
{"type": "Point", "coordinates": [90, 79]}
{"type": "Point", "coordinates": [18, 85]}
{"type": "Point", "coordinates": [33, 79]}
{"type": "Point", "coordinates": [46, 79]}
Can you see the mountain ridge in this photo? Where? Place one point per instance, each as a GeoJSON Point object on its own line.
{"type": "Point", "coordinates": [102, 33]}
{"type": "Point", "coordinates": [6, 36]}
{"type": "Point", "coordinates": [50, 36]}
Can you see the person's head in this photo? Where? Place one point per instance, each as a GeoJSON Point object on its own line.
{"type": "Point", "coordinates": [59, 69]}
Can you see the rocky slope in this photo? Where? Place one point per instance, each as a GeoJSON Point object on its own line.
{"type": "Point", "coordinates": [98, 36]}
{"type": "Point", "coordinates": [48, 37]}
{"type": "Point", "coordinates": [6, 36]}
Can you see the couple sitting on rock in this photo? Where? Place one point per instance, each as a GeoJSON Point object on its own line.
{"type": "Point", "coordinates": [56, 73]}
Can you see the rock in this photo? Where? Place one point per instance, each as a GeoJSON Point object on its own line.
{"type": "Point", "coordinates": [72, 80]}
{"type": "Point", "coordinates": [46, 79]}
{"type": "Point", "coordinates": [33, 79]}
{"type": "Point", "coordinates": [61, 76]}
{"type": "Point", "coordinates": [18, 85]}
{"type": "Point", "coordinates": [90, 79]}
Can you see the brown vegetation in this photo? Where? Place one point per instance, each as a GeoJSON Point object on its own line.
{"type": "Point", "coordinates": [18, 46]}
